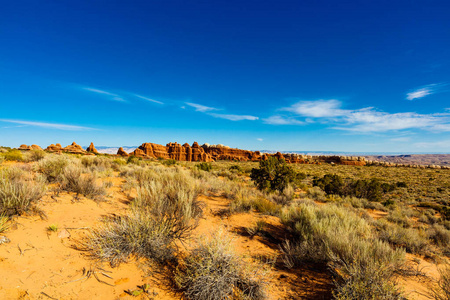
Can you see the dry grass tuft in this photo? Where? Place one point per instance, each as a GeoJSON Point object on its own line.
{"type": "Point", "coordinates": [213, 271]}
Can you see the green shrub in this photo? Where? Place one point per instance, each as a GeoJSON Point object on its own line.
{"type": "Point", "coordinates": [213, 271]}
{"type": "Point", "coordinates": [13, 155]}
{"type": "Point", "coordinates": [133, 160]}
{"type": "Point", "coordinates": [273, 174]}
{"type": "Point", "coordinates": [236, 168]}
{"type": "Point", "coordinates": [169, 162]}
{"type": "Point", "coordinates": [204, 166]}
{"type": "Point", "coordinates": [331, 184]}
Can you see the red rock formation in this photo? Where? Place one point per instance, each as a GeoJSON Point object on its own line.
{"type": "Point", "coordinates": [24, 147]}
{"type": "Point", "coordinates": [121, 152]}
{"type": "Point", "coordinates": [172, 151]}
{"type": "Point", "coordinates": [54, 148]}
{"type": "Point", "coordinates": [91, 148]}
{"type": "Point", "coordinates": [74, 148]}
{"type": "Point", "coordinates": [36, 147]}
{"type": "Point", "coordinates": [220, 152]}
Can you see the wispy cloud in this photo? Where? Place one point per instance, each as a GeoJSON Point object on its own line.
{"type": "Point", "coordinates": [48, 125]}
{"type": "Point", "coordinates": [234, 117]}
{"type": "Point", "coordinates": [366, 119]}
{"type": "Point", "coordinates": [317, 109]}
{"type": "Point", "coordinates": [112, 96]}
{"type": "Point", "coordinates": [148, 99]}
{"type": "Point", "coordinates": [279, 120]}
{"type": "Point", "coordinates": [424, 91]}
{"type": "Point", "coordinates": [260, 139]}
{"type": "Point", "coordinates": [433, 145]}
{"type": "Point", "coordinates": [201, 108]}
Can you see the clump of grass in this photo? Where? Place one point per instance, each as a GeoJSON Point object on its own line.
{"type": "Point", "coordinates": [53, 228]}
{"type": "Point", "coordinates": [52, 166]}
{"type": "Point", "coordinates": [213, 271]}
{"type": "Point", "coordinates": [3, 223]}
{"type": "Point", "coordinates": [169, 162]}
{"type": "Point", "coordinates": [18, 193]}
{"type": "Point", "coordinates": [138, 234]}
{"type": "Point", "coordinates": [363, 266]}
{"type": "Point", "coordinates": [72, 180]}
{"type": "Point", "coordinates": [165, 211]}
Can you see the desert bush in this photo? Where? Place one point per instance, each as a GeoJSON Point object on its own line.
{"type": "Point", "coordinates": [283, 198]}
{"type": "Point", "coordinates": [204, 166]}
{"type": "Point", "coordinates": [273, 174]}
{"type": "Point", "coordinates": [363, 266]}
{"type": "Point", "coordinates": [316, 193]}
{"type": "Point", "coordinates": [72, 180]}
{"type": "Point", "coordinates": [52, 166]}
{"type": "Point", "coordinates": [236, 168]}
{"type": "Point", "coordinates": [18, 194]}
{"type": "Point", "coordinates": [169, 162]}
{"type": "Point", "coordinates": [214, 271]}
{"type": "Point", "coordinates": [35, 155]}
{"type": "Point", "coordinates": [137, 234]}
{"type": "Point", "coordinates": [411, 239]}
{"type": "Point", "coordinates": [133, 160]}
{"type": "Point", "coordinates": [331, 184]}
{"type": "Point", "coordinates": [440, 236]}
{"type": "Point", "coordinates": [441, 291]}
{"type": "Point", "coordinates": [13, 155]}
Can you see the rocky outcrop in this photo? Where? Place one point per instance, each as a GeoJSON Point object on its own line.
{"type": "Point", "coordinates": [92, 149]}
{"type": "Point", "coordinates": [54, 148]}
{"type": "Point", "coordinates": [173, 151]}
{"type": "Point", "coordinates": [32, 147]}
{"type": "Point", "coordinates": [221, 152]}
{"type": "Point", "coordinates": [121, 152]}
{"type": "Point", "coordinates": [73, 148]}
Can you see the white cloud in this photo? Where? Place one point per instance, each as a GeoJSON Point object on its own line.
{"type": "Point", "coordinates": [424, 91]}
{"type": "Point", "coordinates": [113, 96]}
{"type": "Point", "coordinates": [279, 120]}
{"type": "Point", "coordinates": [317, 109]}
{"type": "Point", "coordinates": [48, 125]}
{"type": "Point", "coordinates": [234, 117]}
{"type": "Point", "coordinates": [360, 120]}
{"type": "Point", "coordinates": [260, 139]}
{"type": "Point", "coordinates": [148, 99]}
{"type": "Point", "coordinates": [200, 108]}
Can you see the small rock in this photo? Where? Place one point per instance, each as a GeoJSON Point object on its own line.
{"type": "Point", "coordinates": [4, 240]}
{"type": "Point", "coordinates": [62, 234]}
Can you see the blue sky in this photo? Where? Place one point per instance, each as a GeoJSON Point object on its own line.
{"type": "Point", "coordinates": [358, 76]}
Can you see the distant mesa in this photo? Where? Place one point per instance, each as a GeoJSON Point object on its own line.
{"type": "Point", "coordinates": [210, 153]}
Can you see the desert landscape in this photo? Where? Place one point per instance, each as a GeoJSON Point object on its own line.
{"type": "Point", "coordinates": [76, 224]}
{"type": "Point", "coordinates": [225, 150]}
